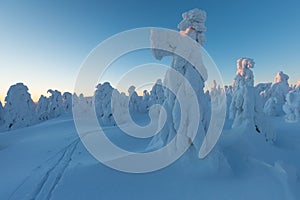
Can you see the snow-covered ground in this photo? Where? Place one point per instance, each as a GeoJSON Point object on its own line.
{"type": "Point", "coordinates": [48, 161]}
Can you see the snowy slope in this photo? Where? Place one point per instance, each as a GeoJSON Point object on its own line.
{"type": "Point", "coordinates": [48, 161]}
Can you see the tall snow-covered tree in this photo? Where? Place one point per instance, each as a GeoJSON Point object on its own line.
{"type": "Point", "coordinates": [193, 26]}
{"type": "Point", "coordinates": [19, 108]}
{"type": "Point", "coordinates": [246, 108]}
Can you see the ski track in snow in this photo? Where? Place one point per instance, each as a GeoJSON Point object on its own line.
{"type": "Point", "coordinates": [43, 180]}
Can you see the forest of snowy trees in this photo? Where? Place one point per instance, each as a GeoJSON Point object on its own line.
{"type": "Point", "coordinates": [246, 103]}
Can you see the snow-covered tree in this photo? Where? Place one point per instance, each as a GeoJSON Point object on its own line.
{"type": "Point", "coordinates": [42, 109]}
{"type": "Point", "coordinates": [229, 94]}
{"type": "Point", "coordinates": [103, 103]}
{"type": "Point", "coordinates": [215, 93]}
{"type": "Point", "coordinates": [19, 108]}
{"type": "Point", "coordinates": [1, 114]}
{"type": "Point", "coordinates": [134, 100]}
{"type": "Point", "coordinates": [246, 109]}
{"type": "Point", "coordinates": [263, 90]}
{"type": "Point", "coordinates": [193, 26]}
{"type": "Point", "coordinates": [156, 96]}
{"type": "Point", "coordinates": [83, 104]}
{"type": "Point", "coordinates": [292, 105]}
{"type": "Point", "coordinates": [55, 107]}
{"type": "Point", "coordinates": [157, 93]}
{"type": "Point", "coordinates": [277, 94]}
{"type": "Point", "coordinates": [67, 102]}
{"type": "Point", "coordinates": [145, 102]}
{"type": "Point", "coordinates": [120, 104]}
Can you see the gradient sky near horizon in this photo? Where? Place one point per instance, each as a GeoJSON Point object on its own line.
{"type": "Point", "coordinates": [43, 43]}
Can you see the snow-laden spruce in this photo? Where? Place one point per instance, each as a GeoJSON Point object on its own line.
{"type": "Point", "coordinates": [19, 108]}
{"type": "Point", "coordinates": [292, 105]}
{"type": "Point", "coordinates": [42, 108]}
{"type": "Point", "coordinates": [144, 104]}
{"type": "Point", "coordinates": [55, 108]}
{"type": "Point", "coordinates": [263, 89]}
{"type": "Point", "coordinates": [67, 102]}
{"type": "Point", "coordinates": [246, 109]}
{"type": "Point", "coordinates": [216, 93]}
{"type": "Point", "coordinates": [120, 110]}
{"type": "Point", "coordinates": [276, 95]}
{"type": "Point", "coordinates": [156, 97]}
{"type": "Point", "coordinates": [83, 104]}
{"type": "Point", "coordinates": [1, 114]}
{"type": "Point", "coordinates": [193, 26]}
{"type": "Point", "coordinates": [102, 101]}
{"type": "Point", "coordinates": [157, 93]}
{"type": "Point", "coordinates": [229, 94]}
{"type": "Point", "coordinates": [135, 101]}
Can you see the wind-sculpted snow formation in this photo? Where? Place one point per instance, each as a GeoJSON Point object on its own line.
{"type": "Point", "coordinates": [19, 108]}
{"type": "Point", "coordinates": [246, 109]}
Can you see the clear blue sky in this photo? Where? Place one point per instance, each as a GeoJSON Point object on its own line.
{"type": "Point", "coordinates": [43, 43]}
